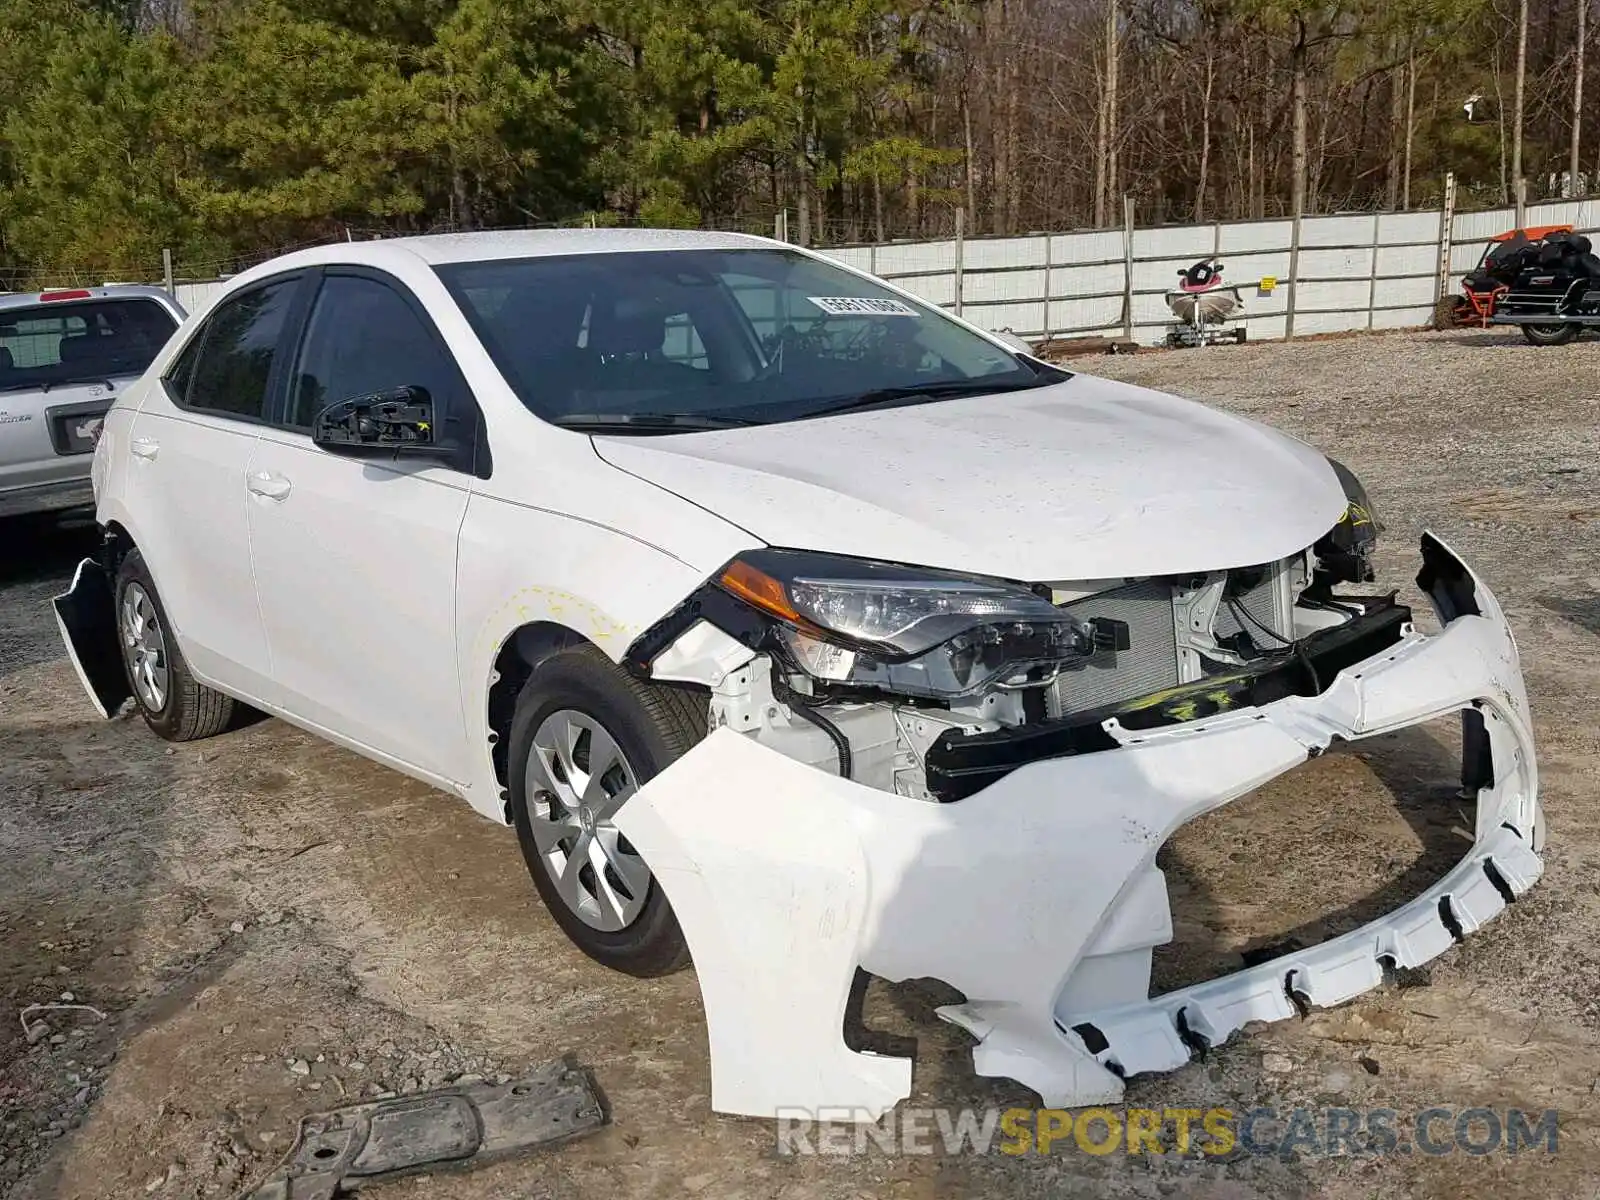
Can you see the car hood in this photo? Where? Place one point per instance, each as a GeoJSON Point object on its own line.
{"type": "Point", "coordinates": [1087, 479]}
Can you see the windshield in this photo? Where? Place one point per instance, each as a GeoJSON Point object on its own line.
{"type": "Point", "coordinates": [73, 342]}
{"type": "Point", "coordinates": [715, 336]}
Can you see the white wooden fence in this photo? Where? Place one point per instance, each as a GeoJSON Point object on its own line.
{"type": "Point", "coordinates": [1355, 272]}
{"type": "Point", "coordinates": [1358, 271]}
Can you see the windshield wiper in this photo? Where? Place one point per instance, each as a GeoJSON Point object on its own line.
{"type": "Point", "coordinates": [97, 377]}
{"type": "Point", "coordinates": [43, 386]}
{"type": "Point", "coordinates": [652, 422]}
{"type": "Point", "coordinates": [952, 390]}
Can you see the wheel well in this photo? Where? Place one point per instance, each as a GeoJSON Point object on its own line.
{"type": "Point", "coordinates": [521, 652]}
{"type": "Point", "coordinates": [114, 547]}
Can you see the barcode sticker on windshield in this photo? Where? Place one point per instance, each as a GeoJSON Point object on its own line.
{"type": "Point", "coordinates": [862, 306]}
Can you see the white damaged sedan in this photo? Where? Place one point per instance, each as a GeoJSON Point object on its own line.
{"type": "Point", "coordinates": [796, 626]}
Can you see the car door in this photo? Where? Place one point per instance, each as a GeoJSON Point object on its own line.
{"type": "Point", "coordinates": [185, 482]}
{"type": "Point", "coordinates": [355, 557]}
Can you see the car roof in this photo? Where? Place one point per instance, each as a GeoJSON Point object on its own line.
{"type": "Point", "coordinates": [531, 243]}
{"type": "Point", "coordinates": [113, 291]}
{"type": "Point", "coordinates": [440, 249]}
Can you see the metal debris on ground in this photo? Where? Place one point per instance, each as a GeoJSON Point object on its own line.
{"type": "Point", "coordinates": [450, 1128]}
{"type": "Point", "coordinates": [35, 1030]}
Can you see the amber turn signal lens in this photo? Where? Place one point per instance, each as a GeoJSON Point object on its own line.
{"type": "Point", "coordinates": [760, 589]}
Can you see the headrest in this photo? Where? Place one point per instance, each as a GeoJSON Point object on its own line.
{"type": "Point", "coordinates": [6, 361]}
{"type": "Point", "coordinates": [79, 348]}
{"type": "Point", "coordinates": [632, 327]}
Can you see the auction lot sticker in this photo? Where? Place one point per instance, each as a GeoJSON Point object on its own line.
{"type": "Point", "coordinates": [862, 306]}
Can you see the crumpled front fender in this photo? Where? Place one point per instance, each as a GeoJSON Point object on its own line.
{"type": "Point", "coordinates": [1038, 897]}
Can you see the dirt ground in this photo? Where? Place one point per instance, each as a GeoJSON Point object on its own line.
{"type": "Point", "coordinates": [266, 925]}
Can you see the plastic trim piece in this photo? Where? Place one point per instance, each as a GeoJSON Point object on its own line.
{"type": "Point", "coordinates": [1038, 896]}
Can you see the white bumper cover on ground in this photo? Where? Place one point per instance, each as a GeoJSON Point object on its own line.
{"type": "Point", "coordinates": [1038, 897]}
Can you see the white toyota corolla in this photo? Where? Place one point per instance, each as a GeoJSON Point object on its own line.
{"type": "Point", "coordinates": [794, 624]}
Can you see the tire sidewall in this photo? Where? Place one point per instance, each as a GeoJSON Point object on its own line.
{"type": "Point", "coordinates": [653, 943]}
{"type": "Point", "coordinates": [1549, 335]}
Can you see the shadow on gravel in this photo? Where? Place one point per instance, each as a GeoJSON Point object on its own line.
{"type": "Point", "coordinates": [1312, 855]}
{"type": "Point", "coordinates": [83, 821]}
{"type": "Point", "coordinates": [1479, 340]}
{"type": "Point", "coordinates": [38, 549]}
{"type": "Point", "coordinates": [38, 560]}
{"type": "Point", "coordinates": [1582, 611]}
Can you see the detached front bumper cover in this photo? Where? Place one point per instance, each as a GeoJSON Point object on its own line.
{"type": "Point", "coordinates": [1038, 897]}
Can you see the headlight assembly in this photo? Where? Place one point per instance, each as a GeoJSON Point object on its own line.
{"type": "Point", "coordinates": [1344, 553]}
{"type": "Point", "coordinates": [907, 630]}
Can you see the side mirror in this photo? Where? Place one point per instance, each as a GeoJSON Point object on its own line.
{"type": "Point", "coordinates": [389, 423]}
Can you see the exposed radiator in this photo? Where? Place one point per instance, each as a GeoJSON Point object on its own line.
{"type": "Point", "coordinates": [1150, 663]}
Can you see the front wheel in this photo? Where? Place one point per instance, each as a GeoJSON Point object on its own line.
{"type": "Point", "coordinates": [586, 736]}
{"type": "Point", "coordinates": [1549, 335]}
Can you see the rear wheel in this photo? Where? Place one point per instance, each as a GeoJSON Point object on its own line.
{"type": "Point", "coordinates": [1549, 335]}
{"type": "Point", "coordinates": [173, 703]}
{"type": "Point", "coordinates": [584, 738]}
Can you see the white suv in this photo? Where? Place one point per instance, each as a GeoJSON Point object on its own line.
{"type": "Point", "coordinates": [527, 515]}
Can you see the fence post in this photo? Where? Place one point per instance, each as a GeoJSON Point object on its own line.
{"type": "Point", "coordinates": [1048, 263]}
{"type": "Point", "coordinates": [872, 258]}
{"type": "Point", "coordinates": [1447, 225]}
{"type": "Point", "coordinates": [166, 273]}
{"type": "Point", "coordinates": [961, 221]}
{"type": "Point", "coordinates": [1294, 278]}
{"type": "Point", "coordinates": [1372, 278]}
{"type": "Point", "coordinates": [1127, 267]}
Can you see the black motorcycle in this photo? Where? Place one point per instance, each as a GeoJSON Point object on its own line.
{"type": "Point", "coordinates": [1551, 286]}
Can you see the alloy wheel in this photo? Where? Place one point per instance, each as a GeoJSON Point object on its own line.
{"type": "Point", "coordinates": [577, 778]}
{"type": "Point", "coordinates": [144, 648]}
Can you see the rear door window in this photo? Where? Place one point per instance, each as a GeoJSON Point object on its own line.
{"type": "Point", "coordinates": [80, 341]}
{"type": "Point", "coordinates": [234, 368]}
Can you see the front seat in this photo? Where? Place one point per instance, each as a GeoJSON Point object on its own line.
{"type": "Point", "coordinates": [628, 339]}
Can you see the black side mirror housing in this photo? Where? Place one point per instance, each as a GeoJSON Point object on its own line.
{"type": "Point", "coordinates": [398, 423]}
{"type": "Point", "coordinates": [389, 420]}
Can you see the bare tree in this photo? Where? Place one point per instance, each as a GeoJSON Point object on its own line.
{"type": "Point", "coordinates": [1398, 131]}
{"type": "Point", "coordinates": [1106, 129]}
{"type": "Point", "coordinates": [1411, 122]}
{"type": "Point", "coordinates": [1520, 86]}
{"type": "Point", "coordinates": [1577, 98]}
{"type": "Point", "coordinates": [1297, 99]}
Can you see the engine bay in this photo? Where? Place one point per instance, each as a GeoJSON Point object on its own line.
{"type": "Point", "coordinates": [1087, 657]}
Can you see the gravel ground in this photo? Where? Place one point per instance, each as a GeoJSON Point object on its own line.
{"type": "Point", "coordinates": [264, 925]}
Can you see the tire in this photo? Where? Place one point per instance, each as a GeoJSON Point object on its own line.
{"type": "Point", "coordinates": [572, 704]}
{"type": "Point", "coordinates": [1550, 335]}
{"type": "Point", "coordinates": [173, 703]}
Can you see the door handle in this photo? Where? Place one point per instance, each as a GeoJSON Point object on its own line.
{"type": "Point", "coordinates": [144, 447]}
{"type": "Point", "coordinates": [268, 485]}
